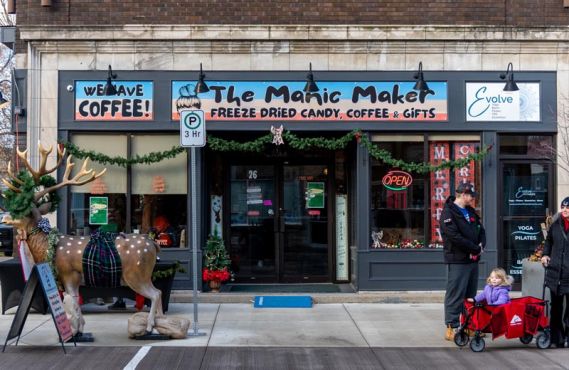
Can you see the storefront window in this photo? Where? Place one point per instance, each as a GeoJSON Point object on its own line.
{"type": "Point", "coordinates": [101, 203]}
{"type": "Point", "coordinates": [406, 207]}
{"type": "Point", "coordinates": [530, 145]}
{"type": "Point", "coordinates": [159, 191]}
{"type": "Point", "coordinates": [398, 200]}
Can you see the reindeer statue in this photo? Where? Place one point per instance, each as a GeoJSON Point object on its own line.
{"type": "Point", "coordinates": [137, 252]}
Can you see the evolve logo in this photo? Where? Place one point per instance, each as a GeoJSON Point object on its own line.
{"type": "Point", "coordinates": [516, 320]}
{"type": "Point", "coordinates": [484, 99]}
{"type": "Point", "coordinates": [488, 102]}
{"type": "Point", "coordinates": [524, 193]}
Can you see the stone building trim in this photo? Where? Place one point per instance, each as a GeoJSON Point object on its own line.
{"type": "Point", "coordinates": [293, 32]}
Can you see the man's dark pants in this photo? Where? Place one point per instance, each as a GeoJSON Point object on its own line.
{"type": "Point", "coordinates": [462, 283]}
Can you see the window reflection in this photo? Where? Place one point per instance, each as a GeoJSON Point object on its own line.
{"type": "Point", "coordinates": [111, 186]}
{"type": "Point", "coordinates": [159, 192]}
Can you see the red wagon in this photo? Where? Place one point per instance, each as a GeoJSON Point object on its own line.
{"type": "Point", "coordinates": [522, 318]}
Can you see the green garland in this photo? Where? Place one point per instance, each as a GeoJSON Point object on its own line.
{"type": "Point", "coordinates": [150, 158]}
{"type": "Point", "coordinates": [422, 167]}
{"type": "Point", "coordinates": [159, 274]}
{"type": "Point", "coordinates": [292, 141]}
{"type": "Point", "coordinates": [20, 204]}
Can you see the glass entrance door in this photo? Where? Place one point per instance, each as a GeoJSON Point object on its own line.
{"type": "Point", "coordinates": [304, 224]}
{"type": "Point", "coordinates": [279, 228]}
{"type": "Point", "coordinates": [252, 225]}
{"type": "Point", "coordinates": [527, 195]}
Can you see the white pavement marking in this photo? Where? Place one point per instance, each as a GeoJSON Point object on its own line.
{"type": "Point", "coordinates": [137, 358]}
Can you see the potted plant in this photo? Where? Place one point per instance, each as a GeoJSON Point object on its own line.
{"type": "Point", "coordinates": [215, 263]}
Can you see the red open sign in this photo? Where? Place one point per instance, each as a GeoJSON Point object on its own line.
{"type": "Point", "coordinates": [397, 180]}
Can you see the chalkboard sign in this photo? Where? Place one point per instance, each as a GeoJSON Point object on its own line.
{"type": "Point", "coordinates": [41, 276]}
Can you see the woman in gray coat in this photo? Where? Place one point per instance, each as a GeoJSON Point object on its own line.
{"type": "Point", "coordinates": [556, 260]}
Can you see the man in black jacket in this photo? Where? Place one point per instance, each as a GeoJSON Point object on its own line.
{"type": "Point", "coordinates": [464, 239]}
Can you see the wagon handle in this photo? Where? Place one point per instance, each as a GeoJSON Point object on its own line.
{"type": "Point", "coordinates": [543, 292]}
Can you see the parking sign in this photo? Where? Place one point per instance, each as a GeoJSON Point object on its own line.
{"type": "Point", "coordinates": [192, 128]}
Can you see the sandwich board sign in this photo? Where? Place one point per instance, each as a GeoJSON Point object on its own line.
{"type": "Point", "coordinates": [192, 128]}
{"type": "Point", "coordinates": [41, 277]}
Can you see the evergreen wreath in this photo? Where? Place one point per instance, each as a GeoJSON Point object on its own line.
{"type": "Point", "coordinates": [20, 204]}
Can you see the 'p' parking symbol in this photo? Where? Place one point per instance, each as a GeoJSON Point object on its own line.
{"type": "Point", "coordinates": [192, 121]}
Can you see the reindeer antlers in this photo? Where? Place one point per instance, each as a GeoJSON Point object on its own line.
{"type": "Point", "coordinates": [13, 178]}
{"type": "Point", "coordinates": [81, 178]}
{"type": "Point", "coordinates": [44, 153]}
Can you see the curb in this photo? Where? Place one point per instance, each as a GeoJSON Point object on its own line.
{"type": "Point", "coordinates": [185, 296]}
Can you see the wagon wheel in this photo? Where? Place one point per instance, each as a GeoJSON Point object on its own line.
{"type": "Point", "coordinates": [543, 340]}
{"type": "Point", "coordinates": [461, 338]}
{"type": "Point", "coordinates": [477, 344]}
{"type": "Point", "coordinates": [526, 339]}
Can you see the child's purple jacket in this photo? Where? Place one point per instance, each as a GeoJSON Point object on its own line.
{"type": "Point", "coordinates": [494, 295]}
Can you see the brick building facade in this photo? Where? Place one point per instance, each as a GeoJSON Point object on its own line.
{"type": "Point", "coordinates": [458, 42]}
{"type": "Point", "coordinates": [507, 13]}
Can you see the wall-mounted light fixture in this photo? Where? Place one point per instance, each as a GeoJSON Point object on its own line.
{"type": "Point", "coordinates": [310, 84]}
{"type": "Point", "coordinates": [201, 87]}
{"type": "Point", "coordinates": [509, 77]}
{"type": "Point", "coordinates": [109, 88]}
{"type": "Point", "coordinates": [420, 85]}
{"type": "Point", "coordinates": [46, 3]}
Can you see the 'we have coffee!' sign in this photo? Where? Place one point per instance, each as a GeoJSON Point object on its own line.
{"type": "Point", "coordinates": [132, 102]}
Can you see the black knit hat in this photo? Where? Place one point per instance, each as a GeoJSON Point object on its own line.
{"type": "Point", "coordinates": [565, 202]}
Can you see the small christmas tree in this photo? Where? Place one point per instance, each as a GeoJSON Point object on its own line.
{"type": "Point", "coordinates": [216, 260]}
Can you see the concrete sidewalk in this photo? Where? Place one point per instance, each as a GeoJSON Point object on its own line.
{"type": "Point", "coordinates": [241, 325]}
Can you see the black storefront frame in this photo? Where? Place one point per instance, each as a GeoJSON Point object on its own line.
{"type": "Point", "coordinates": [362, 258]}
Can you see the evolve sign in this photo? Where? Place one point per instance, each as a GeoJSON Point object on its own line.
{"type": "Point", "coordinates": [132, 102]}
{"type": "Point", "coordinates": [336, 100]}
{"type": "Point", "coordinates": [486, 101]}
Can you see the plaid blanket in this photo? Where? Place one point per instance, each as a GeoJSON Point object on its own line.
{"type": "Point", "coordinates": [101, 262]}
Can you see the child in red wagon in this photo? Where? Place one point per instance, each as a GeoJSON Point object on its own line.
{"type": "Point", "coordinates": [497, 291]}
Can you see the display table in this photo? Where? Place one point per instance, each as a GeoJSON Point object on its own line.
{"type": "Point", "coordinates": [12, 282]}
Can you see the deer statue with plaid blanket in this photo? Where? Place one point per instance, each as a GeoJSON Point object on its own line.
{"type": "Point", "coordinates": [137, 252]}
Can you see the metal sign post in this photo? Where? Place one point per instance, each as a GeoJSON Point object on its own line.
{"type": "Point", "coordinates": [192, 135]}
